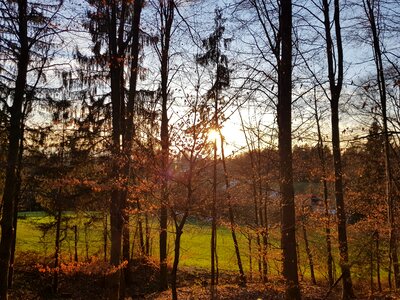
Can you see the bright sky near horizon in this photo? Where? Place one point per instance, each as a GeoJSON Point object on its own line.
{"type": "Point", "coordinates": [356, 63]}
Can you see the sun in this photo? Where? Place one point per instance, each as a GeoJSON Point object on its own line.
{"type": "Point", "coordinates": [213, 135]}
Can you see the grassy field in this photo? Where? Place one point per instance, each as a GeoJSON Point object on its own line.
{"type": "Point", "coordinates": [35, 233]}
{"type": "Point", "coordinates": [195, 246]}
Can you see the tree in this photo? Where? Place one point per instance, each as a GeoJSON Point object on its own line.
{"type": "Point", "coordinates": [373, 191]}
{"type": "Point", "coordinates": [372, 9]}
{"type": "Point", "coordinates": [112, 37]}
{"type": "Point", "coordinates": [260, 208]}
{"type": "Point", "coordinates": [26, 39]}
{"type": "Point", "coordinates": [231, 215]}
{"type": "Point", "coordinates": [322, 157]}
{"type": "Point", "coordinates": [335, 76]}
{"type": "Point", "coordinates": [214, 56]}
{"type": "Point", "coordinates": [273, 38]}
{"type": "Point", "coordinates": [288, 228]}
{"type": "Point", "coordinates": [130, 132]}
{"type": "Point", "coordinates": [190, 172]}
{"type": "Point", "coordinates": [166, 11]}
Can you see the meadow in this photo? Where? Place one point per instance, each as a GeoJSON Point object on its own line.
{"type": "Point", "coordinates": [36, 234]}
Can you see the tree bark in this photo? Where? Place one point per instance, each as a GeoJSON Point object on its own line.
{"type": "Point", "coordinates": [175, 264]}
{"type": "Point", "coordinates": [14, 137]}
{"type": "Point", "coordinates": [288, 227]}
{"type": "Point", "coordinates": [167, 18]}
{"type": "Point", "coordinates": [249, 238]}
{"type": "Point", "coordinates": [105, 236]}
{"type": "Point", "coordinates": [129, 132]}
{"type": "Point", "coordinates": [378, 260]}
{"type": "Point", "coordinates": [265, 238]}
{"type": "Point", "coordinates": [16, 203]}
{"type": "Point", "coordinates": [179, 231]}
{"type": "Point", "coordinates": [140, 229]}
{"type": "Point", "coordinates": [76, 243]}
{"type": "Point", "coordinates": [57, 248]}
{"type": "Point", "coordinates": [116, 215]}
{"type": "Point", "coordinates": [335, 90]}
{"type": "Point", "coordinates": [214, 213]}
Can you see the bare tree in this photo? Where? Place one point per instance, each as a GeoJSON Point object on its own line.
{"type": "Point", "coordinates": [166, 12]}
{"type": "Point", "coordinates": [25, 38]}
{"type": "Point", "coordinates": [288, 227]}
{"type": "Point", "coordinates": [231, 215]}
{"type": "Point", "coordinates": [371, 9]}
{"type": "Point", "coordinates": [335, 76]}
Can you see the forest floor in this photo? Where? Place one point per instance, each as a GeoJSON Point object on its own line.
{"type": "Point", "coordinates": [31, 283]}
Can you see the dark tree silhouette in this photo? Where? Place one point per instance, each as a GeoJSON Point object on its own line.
{"type": "Point", "coordinates": [113, 25]}
{"type": "Point", "coordinates": [335, 76]}
{"type": "Point", "coordinates": [25, 38]}
{"type": "Point", "coordinates": [288, 230]}
{"type": "Point", "coordinates": [213, 56]}
{"type": "Point", "coordinates": [372, 9]}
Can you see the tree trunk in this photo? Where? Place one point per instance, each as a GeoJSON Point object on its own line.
{"type": "Point", "coordinates": [308, 250]}
{"type": "Point", "coordinates": [341, 213]}
{"type": "Point", "coordinates": [147, 234]}
{"type": "Point", "coordinates": [329, 258]}
{"type": "Point", "coordinates": [116, 225]}
{"type": "Point", "coordinates": [14, 238]}
{"type": "Point", "coordinates": [117, 58]}
{"type": "Point", "coordinates": [7, 229]}
{"type": "Point", "coordinates": [76, 243]}
{"type": "Point", "coordinates": [175, 265]}
{"type": "Point", "coordinates": [261, 213]}
{"type": "Point", "coordinates": [130, 133]}
{"type": "Point", "coordinates": [16, 203]}
{"type": "Point", "coordinates": [371, 268]}
{"type": "Point", "coordinates": [255, 200]}
{"type": "Point", "coordinates": [177, 249]}
{"type": "Point", "coordinates": [390, 273]}
{"type": "Point", "coordinates": [380, 76]}
{"type": "Point", "coordinates": [167, 18]}
{"type": "Point", "coordinates": [265, 239]}
{"type": "Point", "coordinates": [214, 218]}
{"type": "Point", "coordinates": [231, 216]}
{"type": "Point", "coordinates": [378, 261]}
{"type": "Point", "coordinates": [301, 273]}
{"type": "Point", "coordinates": [266, 234]}
{"type": "Point", "coordinates": [116, 219]}
{"type": "Point", "coordinates": [141, 234]}
{"type": "Point", "coordinates": [126, 249]}
{"type": "Point", "coordinates": [322, 158]}
{"type": "Point", "coordinates": [57, 250]}
{"type": "Point", "coordinates": [288, 229]}
{"type": "Point", "coordinates": [250, 258]}
{"type": "Point", "coordinates": [232, 223]}
{"type": "Point", "coordinates": [105, 237]}
{"type": "Point", "coordinates": [86, 241]}
{"type": "Point", "coordinates": [335, 90]}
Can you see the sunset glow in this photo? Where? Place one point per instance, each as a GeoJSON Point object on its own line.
{"type": "Point", "coordinates": [213, 135]}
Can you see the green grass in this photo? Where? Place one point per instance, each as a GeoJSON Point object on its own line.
{"type": "Point", "coordinates": [195, 245]}
{"type": "Point", "coordinates": [31, 236]}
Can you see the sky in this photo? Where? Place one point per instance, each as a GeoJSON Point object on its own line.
{"type": "Point", "coordinates": [244, 57]}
